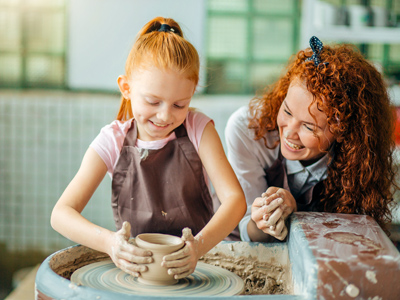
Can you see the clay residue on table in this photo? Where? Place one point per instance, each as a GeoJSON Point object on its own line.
{"type": "Point", "coordinates": [354, 257]}
{"type": "Point", "coordinates": [260, 278]}
{"type": "Point", "coordinates": [357, 240]}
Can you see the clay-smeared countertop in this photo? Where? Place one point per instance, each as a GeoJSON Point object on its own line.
{"type": "Point", "coordinates": [354, 259]}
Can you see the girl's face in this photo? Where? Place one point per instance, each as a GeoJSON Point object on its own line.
{"type": "Point", "coordinates": [160, 101]}
{"type": "Point", "coordinates": [302, 137]}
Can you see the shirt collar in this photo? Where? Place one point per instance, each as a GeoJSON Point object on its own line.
{"type": "Point", "coordinates": [293, 166]}
{"type": "Point", "coordinates": [317, 169]}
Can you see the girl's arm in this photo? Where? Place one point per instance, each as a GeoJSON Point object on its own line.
{"type": "Point", "coordinates": [66, 218]}
{"type": "Point", "coordinates": [227, 188]}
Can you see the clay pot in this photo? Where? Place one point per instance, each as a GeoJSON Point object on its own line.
{"type": "Point", "coordinates": [160, 245]}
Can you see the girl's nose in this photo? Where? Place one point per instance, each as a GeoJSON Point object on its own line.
{"type": "Point", "coordinates": [163, 114]}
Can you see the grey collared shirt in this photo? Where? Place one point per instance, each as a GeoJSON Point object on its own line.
{"type": "Point", "coordinates": [301, 178]}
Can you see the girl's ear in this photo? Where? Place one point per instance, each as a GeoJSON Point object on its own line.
{"type": "Point", "coordinates": [124, 87]}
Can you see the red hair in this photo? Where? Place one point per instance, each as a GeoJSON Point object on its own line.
{"type": "Point", "coordinates": [352, 94]}
{"type": "Point", "coordinates": [164, 50]}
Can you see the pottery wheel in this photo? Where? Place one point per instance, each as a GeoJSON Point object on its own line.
{"type": "Point", "coordinates": [207, 280]}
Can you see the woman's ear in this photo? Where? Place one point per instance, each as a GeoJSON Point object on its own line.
{"type": "Point", "coordinates": [124, 86]}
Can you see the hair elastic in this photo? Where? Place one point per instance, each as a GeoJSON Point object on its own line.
{"type": "Point", "coordinates": [166, 28]}
{"type": "Point", "coordinates": [316, 46]}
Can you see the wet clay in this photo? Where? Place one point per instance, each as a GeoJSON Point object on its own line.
{"type": "Point", "coordinates": [66, 262]}
{"type": "Point", "coordinates": [260, 278]}
{"type": "Point", "coordinates": [160, 245]}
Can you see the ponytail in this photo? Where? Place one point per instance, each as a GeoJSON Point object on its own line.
{"type": "Point", "coordinates": [125, 110]}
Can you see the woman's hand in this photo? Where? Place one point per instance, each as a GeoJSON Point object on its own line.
{"type": "Point", "coordinates": [271, 210]}
{"type": "Point", "coordinates": [183, 262]}
{"type": "Point", "coordinates": [126, 256]}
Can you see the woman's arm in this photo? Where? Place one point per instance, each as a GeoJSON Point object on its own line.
{"type": "Point", "coordinates": [66, 218]}
{"type": "Point", "coordinates": [269, 214]}
{"type": "Point", "coordinates": [249, 159]}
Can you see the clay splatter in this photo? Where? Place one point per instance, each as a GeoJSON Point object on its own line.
{"type": "Point", "coordinates": [260, 278]}
{"type": "Point", "coordinates": [331, 224]}
{"type": "Point", "coordinates": [371, 276]}
{"type": "Point", "coordinates": [354, 240]}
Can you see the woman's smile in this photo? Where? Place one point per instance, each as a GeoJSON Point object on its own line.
{"type": "Point", "coordinates": [291, 145]}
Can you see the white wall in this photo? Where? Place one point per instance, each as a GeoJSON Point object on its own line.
{"type": "Point", "coordinates": [101, 34]}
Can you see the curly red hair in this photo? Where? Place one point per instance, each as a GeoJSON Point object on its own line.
{"type": "Point", "coordinates": [352, 94]}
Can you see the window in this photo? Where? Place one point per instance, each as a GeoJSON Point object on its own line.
{"type": "Point", "coordinates": [32, 43]}
{"type": "Point", "coordinates": [249, 43]}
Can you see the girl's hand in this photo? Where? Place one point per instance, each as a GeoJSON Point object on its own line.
{"type": "Point", "coordinates": [126, 256]}
{"type": "Point", "coordinates": [183, 262]}
{"type": "Point", "coordinates": [271, 211]}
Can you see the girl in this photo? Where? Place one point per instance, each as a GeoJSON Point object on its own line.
{"type": "Point", "coordinates": [159, 154]}
{"type": "Point", "coordinates": [320, 139]}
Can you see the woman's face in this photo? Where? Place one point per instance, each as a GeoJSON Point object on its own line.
{"type": "Point", "coordinates": [302, 137]}
{"type": "Point", "coordinates": [160, 101]}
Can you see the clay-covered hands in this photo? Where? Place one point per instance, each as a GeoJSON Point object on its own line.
{"type": "Point", "coordinates": [126, 256]}
{"type": "Point", "coordinates": [182, 263]}
{"type": "Point", "coordinates": [271, 210]}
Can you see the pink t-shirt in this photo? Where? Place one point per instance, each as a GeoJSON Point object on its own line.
{"type": "Point", "coordinates": [111, 138]}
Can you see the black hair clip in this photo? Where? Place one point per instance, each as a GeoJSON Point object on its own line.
{"type": "Point", "coordinates": [166, 28]}
{"type": "Point", "coordinates": [316, 46]}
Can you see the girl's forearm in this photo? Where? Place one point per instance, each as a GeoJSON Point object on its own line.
{"type": "Point", "coordinates": [220, 226]}
{"type": "Point", "coordinates": [75, 227]}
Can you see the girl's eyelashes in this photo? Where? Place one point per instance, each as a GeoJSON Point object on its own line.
{"type": "Point", "coordinates": [155, 103]}
{"type": "Point", "coordinates": [179, 106]}
{"type": "Point", "coordinates": [287, 112]}
{"type": "Point", "coordinates": [151, 102]}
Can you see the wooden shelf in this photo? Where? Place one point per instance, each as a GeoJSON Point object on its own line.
{"type": "Point", "coordinates": [350, 34]}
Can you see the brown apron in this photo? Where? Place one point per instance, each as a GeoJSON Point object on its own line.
{"type": "Point", "coordinates": [164, 192]}
{"type": "Point", "coordinates": [309, 200]}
